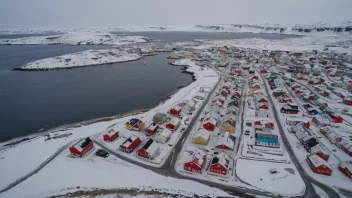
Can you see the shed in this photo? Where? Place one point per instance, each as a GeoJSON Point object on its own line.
{"type": "Point", "coordinates": [268, 140]}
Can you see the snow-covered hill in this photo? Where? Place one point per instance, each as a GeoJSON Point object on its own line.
{"type": "Point", "coordinates": [301, 29]}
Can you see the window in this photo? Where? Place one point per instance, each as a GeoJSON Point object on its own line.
{"type": "Point", "coordinates": [189, 168]}
{"type": "Point", "coordinates": [223, 172]}
{"type": "Point", "coordinates": [218, 166]}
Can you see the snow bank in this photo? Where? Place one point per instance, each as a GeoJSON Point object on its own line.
{"type": "Point", "coordinates": [79, 59]}
{"type": "Point", "coordinates": [286, 181]}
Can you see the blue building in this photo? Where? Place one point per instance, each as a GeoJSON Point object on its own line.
{"type": "Point", "coordinates": [268, 140]}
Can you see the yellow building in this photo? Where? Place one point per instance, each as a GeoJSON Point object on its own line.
{"type": "Point", "coordinates": [135, 124]}
{"type": "Point", "coordinates": [229, 125]}
{"type": "Point", "coordinates": [201, 137]}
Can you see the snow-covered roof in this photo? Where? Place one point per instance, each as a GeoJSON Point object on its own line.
{"type": "Point", "coordinates": [221, 159]}
{"type": "Point", "coordinates": [202, 133]}
{"type": "Point", "coordinates": [177, 107]}
{"type": "Point", "coordinates": [129, 141]}
{"type": "Point", "coordinates": [348, 166]}
{"type": "Point", "coordinates": [111, 132]}
{"type": "Point", "coordinates": [81, 144]}
{"type": "Point", "coordinates": [211, 114]}
{"type": "Point", "coordinates": [165, 133]}
{"type": "Point", "coordinates": [317, 161]}
{"type": "Point", "coordinates": [197, 158]}
{"type": "Point", "coordinates": [191, 103]}
{"type": "Point", "coordinates": [175, 121]}
{"type": "Point", "coordinates": [153, 126]}
{"type": "Point", "coordinates": [225, 140]}
{"type": "Point", "coordinates": [151, 147]}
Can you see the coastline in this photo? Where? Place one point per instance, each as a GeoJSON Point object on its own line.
{"type": "Point", "coordinates": [67, 127]}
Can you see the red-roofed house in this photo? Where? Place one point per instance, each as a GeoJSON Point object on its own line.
{"type": "Point", "coordinates": [346, 169]}
{"type": "Point", "coordinates": [225, 142]}
{"type": "Point", "coordinates": [176, 110]}
{"type": "Point", "coordinates": [152, 129]}
{"type": "Point", "coordinates": [220, 164]}
{"type": "Point", "coordinates": [111, 135]}
{"type": "Point", "coordinates": [336, 119]}
{"type": "Point", "coordinates": [318, 165]}
{"type": "Point", "coordinates": [195, 162]}
{"type": "Point", "coordinates": [149, 150]}
{"type": "Point", "coordinates": [130, 144]}
{"type": "Point", "coordinates": [81, 147]}
{"type": "Point", "coordinates": [173, 124]}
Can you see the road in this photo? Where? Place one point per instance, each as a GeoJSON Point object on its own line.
{"type": "Point", "coordinates": [42, 165]}
{"type": "Point", "coordinates": [310, 191]}
{"type": "Point", "coordinates": [168, 169]}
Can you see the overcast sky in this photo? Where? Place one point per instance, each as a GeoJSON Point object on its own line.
{"type": "Point", "coordinates": [102, 13]}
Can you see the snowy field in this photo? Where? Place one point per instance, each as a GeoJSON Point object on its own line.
{"type": "Point", "coordinates": [79, 59]}
{"type": "Point", "coordinates": [64, 174]}
{"type": "Point", "coordinates": [257, 173]}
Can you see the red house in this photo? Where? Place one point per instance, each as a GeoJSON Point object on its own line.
{"type": "Point", "coordinates": [173, 124]}
{"type": "Point", "coordinates": [195, 161]}
{"type": "Point", "coordinates": [263, 107]}
{"type": "Point", "coordinates": [236, 94]}
{"type": "Point", "coordinates": [152, 129]}
{"type": "Point", "coordinates": [210, 121]}
{"type": "Point", "coordinates": [263, 71]}
{"type": "Point", "coordinates": [220, 164]}
{"type": "Point", "coordinates": [255, 77]}
{"type": "Point", "coordinates": [225, 142]}
{"type": "Point", "coordinates": [346, 169]}
{"type": "Point", "coordinates": [81, 147]}
{"type": "Point", "coordinates": [237, 71]}
{"type": "Point", "coordinates": [149, 150]}
{"type": "Point", "coordinates": [318, 165]}
{"type": "Point", "coordinates": [336, 119]}
{"type": "Point", "coordinates": [209, 124]}
{"type": "Point", "coordinates": [263, 100]}
{"type": "Point", "coordinates": [176, 110]}
{"type": "Point", "coordinates": [130, 144]}
{"type": "Point", "coordinates": [111, 135]}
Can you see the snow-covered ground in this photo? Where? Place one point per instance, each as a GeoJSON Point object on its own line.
{"type": "Point", "coordinates": [76, 38]}
{"type": "Point", "coordinates": [64, 174]}
{"type": "Point", "coordinates": [305, 43]}
{"type": "Point", "coordinates": [79, 59]}
{"type": "Point", "coordinates": [257, 173]}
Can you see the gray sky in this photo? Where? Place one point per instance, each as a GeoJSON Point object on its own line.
{"type": "Point", "coordinates": [102, 13]}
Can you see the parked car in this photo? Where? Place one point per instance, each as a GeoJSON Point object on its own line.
{"type": "Point", "coordinates": [249, 124]}
{"type": "Point", "coordinates": [102, 153]}
{"type": "Point", "coordinates": [247, 132]}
